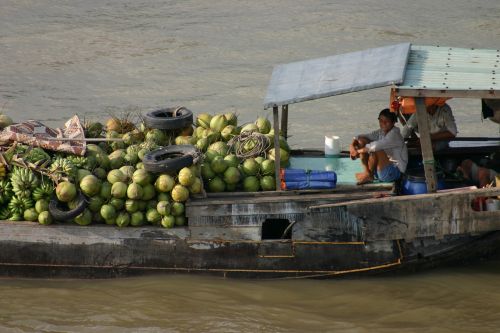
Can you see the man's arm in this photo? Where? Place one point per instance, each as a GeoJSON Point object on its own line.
{"type": "Point", "coordinates": [443, 135]}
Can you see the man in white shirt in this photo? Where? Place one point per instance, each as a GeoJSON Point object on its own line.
{"type": "Point", "coordinates": [383, 152]}
{"type": "Point", "coordinates": [442, 123]}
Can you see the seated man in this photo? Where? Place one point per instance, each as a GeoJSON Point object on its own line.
{"type": "Point", "coordinates": [383, 152]}
{"type": "Point", "coordinates": [442, 124]}
{"type": "Point", "coordinates": [479, 176]}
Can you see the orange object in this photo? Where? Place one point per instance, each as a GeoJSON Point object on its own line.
{"type": "Point", "coordinates": [408, 103]}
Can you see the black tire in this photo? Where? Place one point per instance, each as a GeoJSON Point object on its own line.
{"type": "Point", "coordinates": [170, 159]}
{"type": "Point", "coordinates": [169, 118]}
{"type": "Point", "coordinates": [59, 214]}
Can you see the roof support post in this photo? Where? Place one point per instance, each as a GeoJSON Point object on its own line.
{"type": "Point", "coordinates": [284, 120]}
{"type": "Point", "coordinates": [426, 144]}
{"type": "Point", "coordinates": [277, 157]}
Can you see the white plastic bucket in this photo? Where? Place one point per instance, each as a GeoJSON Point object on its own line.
{"type": "Point", "coordinates": [492, 204]}
{"type": "Point", "coordinates": [332, 145]}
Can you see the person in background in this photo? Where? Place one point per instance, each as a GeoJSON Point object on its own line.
{"type": "Point", "coordinates": [383, 152]}
{"type": "Point", "coordinates": [479, 175]}
{"type": "Point", "coordinates": [442, 124]}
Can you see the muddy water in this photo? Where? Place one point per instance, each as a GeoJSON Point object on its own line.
{"type": "Point", "coordinates": [92, 58]}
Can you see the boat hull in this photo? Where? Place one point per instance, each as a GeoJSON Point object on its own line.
{"type": "Point", "coordinates": [68, 251]}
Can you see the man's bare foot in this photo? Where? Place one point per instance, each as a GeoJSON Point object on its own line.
{"type": "Point", "coordinates": [364, 179]}
{"type": "Point", "coordinates": [360, 175]}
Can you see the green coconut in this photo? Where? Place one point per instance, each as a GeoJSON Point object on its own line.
{"type": "Point", "coordinates": [119, 190]}
{"type": "Point", "coordinates": [105, 192]}
{"type": "Point", "coordinates": [206, 171]}
{"type": "Point", "coordinates": [218, 164]}
{"type": "Point", "coordinates": [251, 184]}
{"type": "Point", "coordinates": [220, 147]}
{"type": "Point", "coordinates": [267, 167]}
{"type": "Point", "coordinates": [131, 205]}
{"type": "Point", "coordinates": [135, 191]}
{"type": "Point", "coordinates": [90, 185]}
{"type": "Point", "coordinates": [232, 175]}
{"type": "Point", "coordinates": [95, 203]}
{"type": "Point", "coordinates": [118, 203]}
{"type": "Point", "coordinates": [66, 191]}
{"type": "Point", "coordinates": [123, 219]}
{"type": "Point", "coordinates": [108, 212]}
{"type": "Point", "coordinates": [196, 187]}
{"type": "Point", "coordinates": [186, 176]}
{"type": "Point", "coordinates": [85, 218]}
{"type": "Point", "coordinates": [141, 177]}
{"type": "Point", "coordinates": [228, 132]}
{"type": "Point", "coordinates": [180, 221]}
{"type": "Point", "coordinates": [216, 185]}
{"type": "Point", "coordinates": [250, 167]}
{"type": "Point", "coordinates": [115, 176]}
{"type": "Point", "coordinates": [164, 183]}
{"type": "Point", "coordinates": [128, 171]}
{"type": "Point", "coordinates": [167, 221]}
{"type": "Point", "coordinates": [203, 120]}
{"type": "Point", "coordinates": [163, 207]}
{"type": "Point", "coordinates": [232, 160]}
{"type": "Point", "coordinates": [148, 192]}
{"type": "Point", "coordinates": [30, 214]}
{"type": "Point", "coordinates": [263, 124]}
{"type": "Point", "coordinates": [152, 216]}
{"type": "Point", "coordinates": [177, 209]}
{"type": "Point", "coordinates": [41, 205]}
{"type": "Point", "coordinates": [249, 128]}
{"type": "Point", "coordinates": [44, 218]}
{"type": "Point", "coordinates": [268, 183]}
{"type": "Point", "coordinates": [180, 193]}
{"type": "Point", "coordinates": [284, 155]}
{"type": "Point", "coordinates": [232, 118]}
{"type": "Point", "coordinates": [5, 121]}
{"type": "Point", "coordinates": [202, 144]}
{"type": "Point", "coordinates": [218, 122]}
{"type": "Point", "coordinates": [80, 173]}
{"type": "Point", "coordinates": [136, 219]}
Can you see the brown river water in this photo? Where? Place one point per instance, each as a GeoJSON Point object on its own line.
{"type": "Point", "coordinates": [92, 58]}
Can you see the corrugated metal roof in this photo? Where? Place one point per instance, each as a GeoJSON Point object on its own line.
{"type": "Point", "coordinates": [413, 70]}
{"type": "Point", "coordinates": [450, 68]}
{"type": "Point", "coordinates": [323, 77]}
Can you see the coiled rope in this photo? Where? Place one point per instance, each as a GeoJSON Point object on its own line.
{"type": "Point", "coordinates": [249, 144]}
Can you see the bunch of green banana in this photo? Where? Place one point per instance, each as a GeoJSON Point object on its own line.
{"type": "Point", "coordinates": [44, 191]}
{"type": "Point", "coordinates": [17, 206]}
{"type": "Point", "coordinates": [63, 167]}
{"type": "Point", "coordinates": [78, 161]}
{"type": "Point", "coordinates": [5, 191]}
{"type": "Point", "coordinates": [37, 154]}
{"type": "Point", "coordinates": [5, 213]}
{"type": "Point", "coordinates": [23, 182]}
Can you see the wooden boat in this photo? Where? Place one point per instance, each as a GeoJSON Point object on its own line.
{"type": "Point", "coordinates": [347, 231]}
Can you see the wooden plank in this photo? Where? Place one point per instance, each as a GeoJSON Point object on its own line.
{"type": "Point", "coordinates": [277, 157]}
{"type": "Point", "coordinates": [426, 145]}
{"type": "Point", "coordinates": [410, 217]}
{"type": "Point", "coordinates": [270, 205]}
{"type": "Point", "coordinates": [284, 121]}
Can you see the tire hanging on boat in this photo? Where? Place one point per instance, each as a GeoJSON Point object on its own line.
{"type": "Point", "coordinates": [171, 159]}
{"type": "Point", "coordinates": [169, 118]}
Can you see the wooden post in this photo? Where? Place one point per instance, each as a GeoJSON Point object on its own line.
{"type": "Point", "coordinates": [426, 144]}
{"type": "Point", "coordinates": [284, 121]}
{"type": "Point", "coordinates": [277, 157]}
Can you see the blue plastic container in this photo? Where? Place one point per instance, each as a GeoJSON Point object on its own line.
{"type": "Point", "coordinates": [414, 182]}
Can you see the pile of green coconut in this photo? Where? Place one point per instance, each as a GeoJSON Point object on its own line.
{"type": "Point", "coordinates": [115, 185]}
{"type": "Point", "coordinates": [236, 158]}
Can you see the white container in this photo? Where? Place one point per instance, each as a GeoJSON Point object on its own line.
{"type": "Point", "coordinates": [492, 204]}
{"type": "Point", "coordinates": [332, 145]}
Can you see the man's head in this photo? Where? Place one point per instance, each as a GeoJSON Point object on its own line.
{"type": "Point", "coordinates": [386, 120]}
